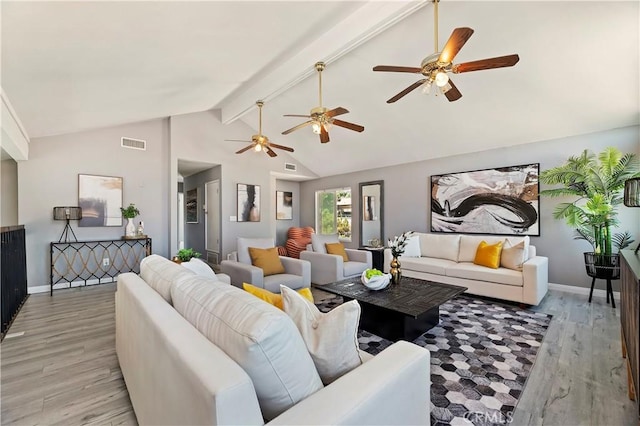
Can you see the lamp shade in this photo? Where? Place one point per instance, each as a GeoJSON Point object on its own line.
{"type": "Point", "coordinates": [632, 192]}
{"type": "Point", "coordinates": [64, 213]}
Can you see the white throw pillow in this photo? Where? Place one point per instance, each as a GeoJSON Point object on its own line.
{"type": "Point", "coordinates": [160, 273]}
{"type": "Point", "coordinates": [412, 249]}
{"type": "Point", "coordinates": [513, 256]}
{"type": "Point", "coordinates": [440, 246]}
{"type": "Point", "coordinates": [259, 337]}
{"type": "Point", "coordinates": [200, 268]}
{"type": "Point", "coordinates": [331, 338]}
{"type": "Point", "coordinates": [517, 240]}
{"type": "Point", "coordinates": [318, 241]}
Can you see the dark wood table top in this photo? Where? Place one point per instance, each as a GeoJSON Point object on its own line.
{"type": "Point", "coordinates": [412, 297]}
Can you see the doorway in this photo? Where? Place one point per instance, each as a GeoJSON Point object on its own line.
{"type": "Point", "coordinates": [212, 221]}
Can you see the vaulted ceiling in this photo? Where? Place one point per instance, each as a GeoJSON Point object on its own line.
{"type": "Point", "coordinates": [70, 66]}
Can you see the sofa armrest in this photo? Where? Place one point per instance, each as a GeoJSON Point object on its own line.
{"type": "Point", "coordinates": [535, 273]}
{"type": "Point", "coordinates": [297, 267]}
{"type": "Point", "coordinates": [325, 268]}
{"type": "Point", "coordinates": [363, 256]}
{"type": "Point", "coordinates": [242, 273]}
{"type": "Point", "coordinates": [391, 388]}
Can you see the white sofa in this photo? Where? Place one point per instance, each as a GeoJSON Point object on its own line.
{"type": "Point", "coordinates": [448, 259]}
{"type": "Point", "coordinates": [176, 375]}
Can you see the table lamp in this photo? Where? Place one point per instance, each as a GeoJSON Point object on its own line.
{"type": "Point", "coordinates": [632, 196]}
{"type": "Point", "coordinates": [67, 213]}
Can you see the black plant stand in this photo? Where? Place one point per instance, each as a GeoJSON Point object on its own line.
{"type": "Point", "coordinates": [605, 267]}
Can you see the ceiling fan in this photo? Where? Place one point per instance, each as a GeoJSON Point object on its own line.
{"type": "Point", "coordinates": [436, 66]}
{"type": "Point", "coordinates": [321, 118]}
{"type": "Point", "coordinates": [260, 142]}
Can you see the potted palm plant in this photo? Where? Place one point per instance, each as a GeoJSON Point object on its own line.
{"type": "Point", "coordinates": [597, 182]}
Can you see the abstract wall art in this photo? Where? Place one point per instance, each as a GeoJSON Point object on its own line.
{"type": "Point", "coordinates": [248, 203]}
{"type": "Point", "coordinates": [191, 206]}
{"type": "Point", "coordinates": [501, 201]}
{"type": "Point", "coordinates": [100, 198]}
{"type": "Point", "coordinates": [284, 205]}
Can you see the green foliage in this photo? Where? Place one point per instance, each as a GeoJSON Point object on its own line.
{"type": "Point", "coordinates": [186, 254]}
{"type": "Point", "coordinates": [130, 212]}
{"type": "Point", "coordinates": [597, 182]}
{"type": "Point", "coordinates": [327, 213]}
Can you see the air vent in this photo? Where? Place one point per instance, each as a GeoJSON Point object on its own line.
{"type": "Point", "coordinates": [134, 144]}
{"type": "Point", "coordinates": [290, 167]}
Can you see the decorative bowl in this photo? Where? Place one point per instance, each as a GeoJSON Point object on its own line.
{"type": "Point", "coordinates": [377, 282]}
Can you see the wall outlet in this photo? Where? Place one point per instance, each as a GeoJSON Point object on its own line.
{"type": "Point", "coordinates": [105, 261]}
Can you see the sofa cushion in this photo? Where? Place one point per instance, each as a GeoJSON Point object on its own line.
{"type": "Point", "coordinates": [331, 338]}
{"type": "Point", "coordinates": [338, 249]}
{"type": "Point", "coordinates": [263, 340]}
{"type": "Point", "coordinates": [488, 254]}
{"type": "Point", "coordinates": [440, 246]}
{"type": "Point", "coordinates": [513, 256]}
{"type": "Point", "coordinates": [430, 265]}
{"type": "Point", "coordinates": [275, 299]}
{"type": "Point", "coordinates": [412, 249]}
{"type": "Point", "coordinates": [527, 243]}
{"type": "Point", "coordinates": [481, 273]}
{"type": "Point", "coordinates": [199, 267]}
{"type": "Point", "coordinates": [160, 274]}
{"type": "Point", "coordinates": [350, 269]}
{"type": "Point", "coordinates": [266, 259]}
{"type": "Point", "coordinates": [273, 282]}
{"type": "Point", "coordinates": [318, 241]}
{"type": "Point", "coordinates": [469, 245]}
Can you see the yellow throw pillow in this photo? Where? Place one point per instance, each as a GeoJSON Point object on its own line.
{"type": "Point", "coordinates": [273, 298]}
{"type": "Point", "coordinates": [267, 260]}
{"type": "Point", "coordinates": [337, 248]}
{"type": "Point", "coordinates": [488, 254]}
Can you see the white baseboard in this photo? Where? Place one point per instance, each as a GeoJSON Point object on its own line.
{"type": "Point", "coordinates": [47, 288]}
{"type": "Point", "coordinates": [582, 290]}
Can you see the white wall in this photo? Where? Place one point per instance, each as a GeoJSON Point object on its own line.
{"type": "Point", "coordinates": [200, 137]}
{"type": "Point", "coordinates": [50, 178]}
{"type": "Point", "coordinates": [9, 193]}
{"type": "Point", "coordinates": [407, 194]}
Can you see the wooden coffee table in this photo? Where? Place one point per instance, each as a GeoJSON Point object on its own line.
{"type": "Point", "coordinates": [402, 311]}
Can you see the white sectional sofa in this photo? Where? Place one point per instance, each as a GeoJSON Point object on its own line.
{"type": "Point", "coordinates": [448, 258]}
{"type": "Point", "coordinates": [167, 320]}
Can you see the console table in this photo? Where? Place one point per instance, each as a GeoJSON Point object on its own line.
{"type": "Point", "coordinates": [630, 318]}
{"type": "Point", "coordinates": [96, 262]}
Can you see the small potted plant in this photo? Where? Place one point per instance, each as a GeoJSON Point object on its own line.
{"type": "Point", "coordinates": [185, 255]}
{"type": "Point", "coordinates": [129, 213]}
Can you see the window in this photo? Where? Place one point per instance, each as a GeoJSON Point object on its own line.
{"type": "Point", "coordinates": [333, 212]}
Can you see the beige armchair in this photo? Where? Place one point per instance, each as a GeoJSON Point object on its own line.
{"type": "Point", "coordinates": [328, 268]}
{"type": "Point", "coordinates": [297, 272]}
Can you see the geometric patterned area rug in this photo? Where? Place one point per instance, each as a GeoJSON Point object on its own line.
{"type": "Point", "coordinates": [481, 355]}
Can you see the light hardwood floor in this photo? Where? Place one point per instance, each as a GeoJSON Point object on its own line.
{"type": "Point", "coordinates": [64, 369]}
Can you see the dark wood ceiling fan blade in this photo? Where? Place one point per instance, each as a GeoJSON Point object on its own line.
{"type": "Point", "coordinates": [487, 64]}
{"type": "Point", "coordinates": [296, 115]}
{"type": "Point", "coordinates": [393, 68]}
{"type": "Point", "coordinates": [237, 140]}
{"type": "Point", "coordinates": [271, 152]}
{"type": "Point", "coordinates": [282, 147]}
{"type": "Point", "coordinates": [350, 126]}
{"type": "Point", "coordinates": [458, 38]}
{"type": "Point", "coordinates": [406, 91]}
{"type": "Point", "coordinates": [452, 94]}
{"type": "Point", "coordinates": [246, 148]}
{"type": "Point", "coordinates": [324, 135]}
{"type": "Point", "coordinates": [299, 126]}
{"type": "Point", "coordinates": [336, 111]}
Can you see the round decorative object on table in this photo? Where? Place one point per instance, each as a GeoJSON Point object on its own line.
{"type": "Point", "coordinates": [376, 282]}
{"type": "Point", "coordinates": [130, 229]}
{"type": "Point", "coordinates": [395, 272]}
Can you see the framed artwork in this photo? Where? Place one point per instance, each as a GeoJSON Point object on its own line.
{"type": "Point", "coordinates": [502, 201]}
{"type": "Point", "coordinates": [100, 198]}
{"type": "Point", "coordinates": [369, 207]}
{"type": "Point", "coordinates": [248, 203]}
{"type": "Point", "coordinates": [284, 205]}
{"type": "Point", "coordinates": [191, 206]}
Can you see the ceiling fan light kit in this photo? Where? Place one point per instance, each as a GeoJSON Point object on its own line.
{"type": "Point", "coordinates": [321, 119]}
{"type": "Point", "coordinates": [435, 67]}
{"type": "Point", "coordinates": [260, 142]}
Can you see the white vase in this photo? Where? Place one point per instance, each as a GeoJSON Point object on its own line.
{"type": "Point", "coordinates": [130, 229]}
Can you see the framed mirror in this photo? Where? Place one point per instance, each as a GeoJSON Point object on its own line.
{"type": "Point", "coordinates": [371, 221]}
